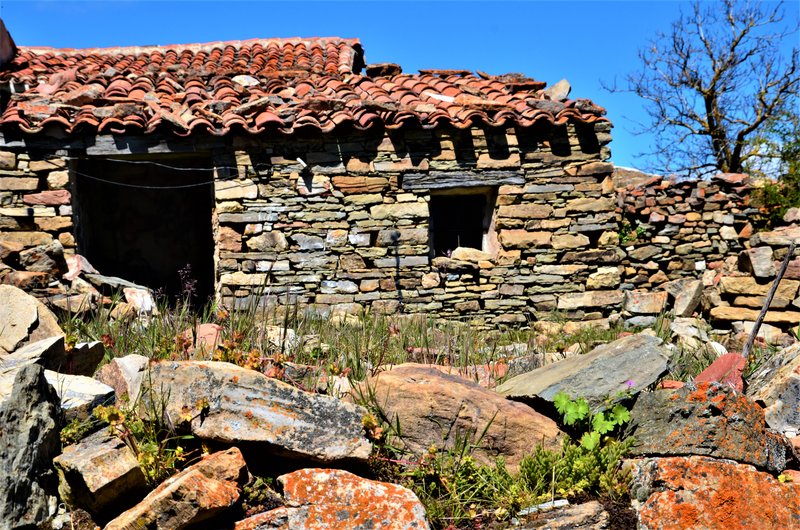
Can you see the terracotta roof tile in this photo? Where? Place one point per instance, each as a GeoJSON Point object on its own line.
{"type": "Point", "coordinates": [258, 85]}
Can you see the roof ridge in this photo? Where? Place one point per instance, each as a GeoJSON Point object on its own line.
{"type": "Point", "coordinates": [193, 47]}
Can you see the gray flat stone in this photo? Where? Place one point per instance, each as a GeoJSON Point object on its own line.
{"type": "Point", "coordinates": [776, 384]}
{"type": "Point", "coordinates": [79, 394]}
{"type": "Point", "coordinates": [247, 406]}
{"type": "Point", "coordinates": [603, 372]}
{"type": "Point", "coordinates": [113, 282]}
{"type": "Point", "coordinates": [18, 315]}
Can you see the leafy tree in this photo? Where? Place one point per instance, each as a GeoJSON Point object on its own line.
{"type": "Point", "coordinates": [781, 149]}
{"type": "Point", "coordinates": [715, 83]}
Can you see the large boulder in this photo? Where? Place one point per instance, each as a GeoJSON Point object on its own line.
{"type": "Point", "coordinates": [708, 419]}
{"type": "Point", "coordinates": [435, 408]}
{"type": "Point", "coordinates": [29, 439]}
{"type": "Point", "coordinates": [196, 494]}
{"type": "Point", "coordinates": [704, 493]}
{"type": "Point", "coordinates": [635, 361]}
{"type": "Point", "coordinates": [100, 474]}
{"type": "Point", "coordinates": [247, 406]}
{"type": "Point", "coordinates": [23, 319]}
{"type": "Point", "coordinates": [324, 499]}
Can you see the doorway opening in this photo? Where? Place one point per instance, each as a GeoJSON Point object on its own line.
{"type": "Point", "coordinates": [147, 219]}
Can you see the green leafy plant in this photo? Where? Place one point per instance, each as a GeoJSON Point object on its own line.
{"type": "Point", "coordinates": [160, 450]}
{"type": "Point", "coordinates": [630, 232]}
{"type": "Point", "coordinates": [76, 430]}
{"type": "Point", "coordinates": [259, 496]}
{"type": "Point", "coordinates": [576, 412]}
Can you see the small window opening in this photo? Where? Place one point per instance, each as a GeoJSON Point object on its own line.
{"type": "Point", "coordinates": [460, 220]}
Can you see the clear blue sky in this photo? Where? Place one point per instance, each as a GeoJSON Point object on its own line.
{"type": "Point", "coordinates": [585, 42]}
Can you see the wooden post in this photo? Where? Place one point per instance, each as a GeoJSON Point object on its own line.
{"type": "Point", "coordinates": [752, 338]}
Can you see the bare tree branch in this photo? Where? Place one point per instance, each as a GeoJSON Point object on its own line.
{"type": "Point", "coordinates": [714, 83]}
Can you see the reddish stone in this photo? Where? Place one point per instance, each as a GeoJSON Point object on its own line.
{"type": "Point", "coordinates": [325, 499]}
{"type": "Point", "coordinates": [48, 198]}
{"type": "Point", "coordinates": [206, 337]}
{"type": "Point", "coordinates": [230, 239]}
{"type": "Point", "coordinates": [792, 475]}
{"type": "Point", "coordinates": [677, 219]}
{"type": "Point", "coordinates": [727, 369]}
{"type": "Point", "coordinates": [190, 497]}
{"type": "Point", "coordinates": [670, 384]}
{"type": "Point", "coordinates": [746, 232]}
{"type": "Point", "coordinates": [734, 179]}
{"type": "Point", "coordinates": [705, 493]}
{"type": "Point", "coordinates": [27, 279]}
{"type": "Point", "coordinates": [76, 264]}
{"type": "Point", "coordinates": [352, 184]}
{"type": "Point", "coordinates": [437, 408]}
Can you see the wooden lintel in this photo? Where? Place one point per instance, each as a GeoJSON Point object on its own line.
{"type": "Point", "coordinates": [111, 145]}
{"type": "Point", "coordinates": [460, 179]}
{"type": "Point", "coordinates": [129, 145]}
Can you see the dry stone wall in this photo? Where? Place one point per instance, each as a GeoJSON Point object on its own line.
{"type": "Point", "coordinates": [677, 229]}
{"type": "Point", "coordinates": [343, 223]}
{"type": "Point", "coordinates": [351, 232]}
{"type": "Point", "coordinates": [35, 219]}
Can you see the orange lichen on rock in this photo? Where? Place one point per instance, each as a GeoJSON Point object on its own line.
{"type": "Point", "coordinates": [329, 499]}
{"type": "Point", "coordinates": [700, 492]}
{"type": "Point", "coordinates": [710, 419]}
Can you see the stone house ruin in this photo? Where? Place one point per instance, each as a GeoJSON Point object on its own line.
{"type": "Point", "coordinates": [288, 170]}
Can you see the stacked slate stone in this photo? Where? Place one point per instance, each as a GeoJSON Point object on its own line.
{"type": "Point", "coordinates": [35, 221]}
{"type": "Point", "coordinates": [345, 224]}
{"type": "Point", "coordinates": [342, 224]}
{"type": "Point", "coordinates": [743, 283]}
{"type": "Point", "coordinates": [677, 229]}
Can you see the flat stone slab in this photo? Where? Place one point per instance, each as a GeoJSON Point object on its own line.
{"type": "Point", "coordinates": [100, 474]}
{"type": "Point", "coordinates": [630, 363]}
{"type": "Point", "coordinates": [247, 406]}
{"type": "Point", "coordinates": [727, 369]}
{"type": "Point", "coordinates": [41, 352]}
{"type": "Point", "coordinates": [587, 516]}
{"type": "Point", "coordinates": [79, 394]}
{"type": "Point", "coordinates": [18, 314]}
{"type": "Point", "coordinates": [194, 495]}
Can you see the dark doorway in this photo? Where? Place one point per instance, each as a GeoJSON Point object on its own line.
{"type": "Point", "coordinates": [145, 220]}
{"type": "Point", "coordinates": [457, 221]}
